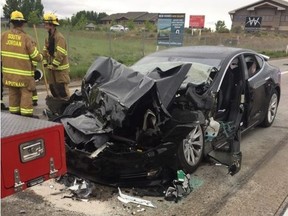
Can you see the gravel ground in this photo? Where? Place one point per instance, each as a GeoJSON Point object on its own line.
{"type": "Point", "coordinates": [52, 198]}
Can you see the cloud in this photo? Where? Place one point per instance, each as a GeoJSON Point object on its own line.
{"type": "Point", "coordinates": [213, 10]}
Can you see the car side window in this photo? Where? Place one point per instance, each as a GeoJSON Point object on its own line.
{"type": "Point", "coordinates": [253, 63]}
{"type": "Point", "coordinates": [260, 61]}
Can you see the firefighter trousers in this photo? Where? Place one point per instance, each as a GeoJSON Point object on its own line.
{"type": "Point", "coordinates": [20, 101]}
{"type": "Point", "coordinates": [60, 90]}
{"type": "Point", "coordinates": [35, 95]}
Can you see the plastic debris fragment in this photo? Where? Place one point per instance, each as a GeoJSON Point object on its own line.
{"type": "Point", "coordinates": [127, 199]}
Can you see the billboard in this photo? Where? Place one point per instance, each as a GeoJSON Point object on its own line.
{"type": "Point", "coordinates": [170, 28]}
{"type": "Point", "coordinates": [196, 21]}
{"type": "Point", "coordinates": [253, 22]}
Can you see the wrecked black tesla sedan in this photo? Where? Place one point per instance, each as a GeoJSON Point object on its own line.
{"type": "Point", "coordinates": [167, 112]}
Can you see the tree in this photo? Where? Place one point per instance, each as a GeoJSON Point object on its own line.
{"type": "Point", "coordinates": [149, 26]}
{"type": "Point", "coordinates": [220, 27]}
{"type": "Point", "coordinates": [25, 6]}
{"type": "Point", "coordinates": [100, 16]}
{"type": "Point", "coordinates": [130, 24]}
{"type": "Point", "coordinates": [81, 23]}
{"type": "Point", "coordinates": [65, 22]}
{"type": "Point", "coordinates": [39, 7]}
{"type": "Point", "coordinates": [10, 6]}
{"type": "Point", "coordinates": [75, 18]}
{"type": "Point", "coordinates": [33, 18]}
{"type": "Point", "coordinates": [91, 16]}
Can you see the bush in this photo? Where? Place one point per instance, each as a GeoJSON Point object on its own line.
{"type": "Point", "coordinates": [275, 54]}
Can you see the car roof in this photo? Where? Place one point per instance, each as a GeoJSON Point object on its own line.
{"type": "Point", "coordinates": [201, 51]}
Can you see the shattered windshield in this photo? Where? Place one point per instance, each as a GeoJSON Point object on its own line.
{"type": "Point", "coordinates": [197, 74]}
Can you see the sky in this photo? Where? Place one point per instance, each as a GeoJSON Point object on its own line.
{"type": "Point", "coordinates": [213, 10]}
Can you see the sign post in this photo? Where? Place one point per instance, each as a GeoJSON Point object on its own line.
{"type": "Point", "coordinates": [196, 22]}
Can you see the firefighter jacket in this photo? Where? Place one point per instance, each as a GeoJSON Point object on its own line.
{"type": "Point", "coordinates": [56, 57]}
{"type": "Point", "coordinates": [18, 52]}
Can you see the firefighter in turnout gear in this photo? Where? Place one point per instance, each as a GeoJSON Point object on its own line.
{"type": "Point", "coordinates": [56, 59]}
{"type": "Point", "coordinates": [35, 98]}
{"type": "Point", "coordinates": [34, 93]}
{"type": "Point", "coordinates": [3, 106]}
{"type": "Point", "coordinates": [17, 54]}
{"type": "Point", "coordinates": [38, 74]}
{"type": "Point", "coordinates": [37, 78]}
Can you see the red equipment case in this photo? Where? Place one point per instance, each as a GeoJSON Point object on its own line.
{"type": "Point", "coordinates": [32, 151]}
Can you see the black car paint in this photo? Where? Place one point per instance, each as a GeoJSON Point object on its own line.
{"type": "Point", "coordinates": [260, 88]}
{"type": "Point", "coordinates": [115, 164]}
{"type": "Point", "coordinates": [142, 151]}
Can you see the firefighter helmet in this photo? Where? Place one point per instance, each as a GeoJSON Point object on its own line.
{"type": "Point", "coordinates": [50, 18]}
{"type": "Point", "coordinates": [17, 16]}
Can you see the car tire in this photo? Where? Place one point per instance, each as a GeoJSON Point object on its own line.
{"type": "Point", "coordinates": [191, 149]}
{"type": "Point", "coordinates": [271, 110]}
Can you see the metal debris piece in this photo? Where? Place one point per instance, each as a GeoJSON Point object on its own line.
{"type": "Point", "coordinates": [82, 189]}
{"type": "Point", "coordinates": [212, 130]}
{"type": "Point", "coordinates": [181, 188]}
{"type": "Point", "coordinates": [126, 199]}
{"type": "Point", "coordinates": [100, 149]}
{"type": "Point", "coordinates": [141, 210]}
{"type": "Point", "coordinates": [22, 212]}
{"type": "Point", "coordinates": [69, 197]}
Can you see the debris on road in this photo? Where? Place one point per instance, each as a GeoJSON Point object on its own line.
{"type": "Point", "coordinates": [127, 199]}
{"type": "Point", "coordinates": [181, 187]}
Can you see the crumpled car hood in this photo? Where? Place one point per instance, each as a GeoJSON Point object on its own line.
{"type": "Point", "coordinates": [128, 123]}
{"type": "Point", "coordinates": [110, 88]}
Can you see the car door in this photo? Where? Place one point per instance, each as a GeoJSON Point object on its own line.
{"type": "Point", "coordinates": [254, 70]}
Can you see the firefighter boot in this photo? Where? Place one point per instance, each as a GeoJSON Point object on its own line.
{"type": "Point", "coordinates": [35, 103]}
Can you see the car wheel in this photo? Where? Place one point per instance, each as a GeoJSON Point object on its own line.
{"type": "Point", "coordinates": [271, 110]}
{"type": "Point", "coordinates": [190, 150]}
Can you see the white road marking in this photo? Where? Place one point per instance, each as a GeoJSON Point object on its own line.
{"type": "Point", "coordinates": [286, 212]}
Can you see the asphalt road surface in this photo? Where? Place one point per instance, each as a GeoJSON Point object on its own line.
{"type": "Point", "coordinates": [260, 188]}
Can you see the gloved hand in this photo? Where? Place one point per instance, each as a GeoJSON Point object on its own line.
{"type": "Point", "coordinates": [45, 64]}
{"type": "Point", "coordinates": [52, 67]}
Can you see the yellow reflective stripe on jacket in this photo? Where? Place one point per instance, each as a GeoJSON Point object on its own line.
{"type": "Point", "coordinates": [15, 55]}
{"type": "Point", "coordinates": [60, 49]}
{"type": "Point", "coordinates": [63, 67]}
{"type": "Point", "coordinates": [44, 61]}
{"type": "Point", "coordinates": [35, 97]}
{"type": "Point", "coordinates": [26, 111]}
{"type": "Point", "coordinates": [55, 62]}
{"type": "Point", "coordinates": [17, 71]}
{"type": "Point", "coordinates": [35, 53]}
{"type": "Point", "coordinates": [34, 63]}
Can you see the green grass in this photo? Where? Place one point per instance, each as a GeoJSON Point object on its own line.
{"type": "Point", "coordinates": [85, 46]}
{"type": "Point", "coordinates": [275, 54]}
{"type": "Point", "coordinates": [128, 47]}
